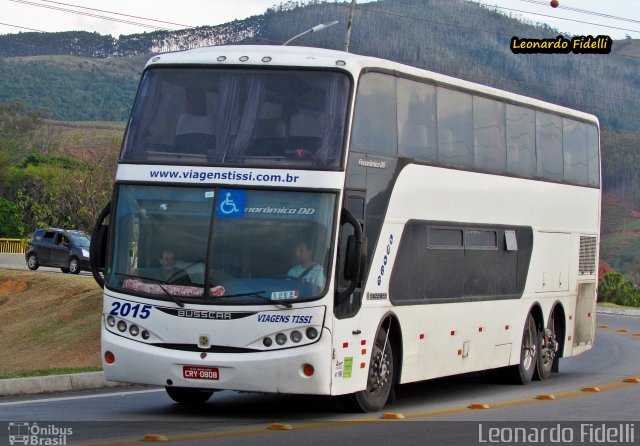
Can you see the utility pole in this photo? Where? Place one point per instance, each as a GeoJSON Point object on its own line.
{"type": "Point", "coordinates": [349, 22]}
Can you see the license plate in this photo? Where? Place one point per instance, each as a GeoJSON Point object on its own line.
{"type": "Point", "coordinates": [191, 372]}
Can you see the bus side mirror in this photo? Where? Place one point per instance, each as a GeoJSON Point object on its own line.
{"type": "Point", "coordinates": [98, 247]}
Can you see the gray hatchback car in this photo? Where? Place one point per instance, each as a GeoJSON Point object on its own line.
{"type": "Point", "coordinates": [61, 248]}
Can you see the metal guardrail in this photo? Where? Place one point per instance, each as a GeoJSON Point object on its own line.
{"type": "Point", "coordinates": [13, 246]}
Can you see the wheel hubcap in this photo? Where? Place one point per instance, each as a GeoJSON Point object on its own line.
{"type": "Point", "coordinates": [380, 370]}
{"type": "Point", "coordinates": [529, 349]}
{"type": "Point", "coordinates": [549, 346]}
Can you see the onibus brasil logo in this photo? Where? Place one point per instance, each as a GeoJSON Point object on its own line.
{"type": "Point", "coordinates": [26, 433]}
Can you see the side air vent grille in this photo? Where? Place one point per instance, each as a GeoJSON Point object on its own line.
{"type": "Point", "coordinates": [587, 262]}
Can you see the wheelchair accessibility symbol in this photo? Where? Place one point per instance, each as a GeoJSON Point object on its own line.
{"type": "Point", "coordinates": [231, 203]}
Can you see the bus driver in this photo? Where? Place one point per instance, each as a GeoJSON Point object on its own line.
{"type": "Point", "coordinates": [306, 269]}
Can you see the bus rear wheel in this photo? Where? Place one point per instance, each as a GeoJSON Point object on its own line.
{"type": "Point", "coordinates": [548, 350]}
{"type": "Point", "coordinates": [379, 381]}
{"type": "Point", "coordinates": [523, 372]}
{"type": "Point", "coordinates": [189, 396]}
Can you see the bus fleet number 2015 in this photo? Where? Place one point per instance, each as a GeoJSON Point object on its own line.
{"type": "Point", "coordinates": [126, 309]}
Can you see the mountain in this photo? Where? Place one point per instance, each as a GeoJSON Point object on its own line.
{"type": "Point", "coordinates": [454, 37]}
{"type": "Point", "coordinates": [80, 76]}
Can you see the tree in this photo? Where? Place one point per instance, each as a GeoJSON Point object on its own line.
{"type": "Point", "coordinates": [614, 288]}
{"type": "Point", "coordinates": [17, 125]}
{"type": "Point", "coordinates": [63, 192]}
{"type": "Point", "coordinates": [10, 220]}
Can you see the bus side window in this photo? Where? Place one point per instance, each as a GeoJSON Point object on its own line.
{"type": "Point", "coordinates": [455, 128]}
{"type": "Point", "coordinates": [375, 127]}
{"type": "Point", "coordinates": [549, 146]}
{"type": "Point", "coordinates": [575, 146]}
{"type": "Point", "coordinates": [520, 134]}
{"type": "Point", "coordinates": [490, 151]}
{"type": "Point", "coordinates": [413, 140]}
{"type": "Point", "coordinates": [416, 120]}
{"type": "Point", "coordinates": [593, 156]}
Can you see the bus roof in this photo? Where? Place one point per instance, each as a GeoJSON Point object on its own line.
{"type": "Point", "coordinates": [298, 56]}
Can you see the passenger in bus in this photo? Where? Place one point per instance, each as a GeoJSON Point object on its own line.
{"type": "Point", "coordinates": [305, 134]}
{"type": "Point", "coordinates": [195, 128]}
{"type": "Point", "coordinates": [306, 269]}
{"type": "Point", "coordinates": [194, 134]}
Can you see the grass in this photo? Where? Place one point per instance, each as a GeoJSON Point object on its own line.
{"type": "Point", "coordinates": [612, 305]}
{"type": "Point", "coordinates": [48, 372]}
{"type": "Point", "coordinates": [51, 326]}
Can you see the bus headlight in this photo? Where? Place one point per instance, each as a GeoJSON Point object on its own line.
{"type": "Point", "coordinates": [312, 333]}
{"type": "Point", "coordinates": [295, 336]}
{"type": "Point", "coordinates": [129, 329]}
{"type": "Point", "coordinates": [281, 339]}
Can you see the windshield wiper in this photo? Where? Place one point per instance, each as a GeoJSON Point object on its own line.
{"type": "Point", "coordinates": [284, 303]}
{"type": "Point", "coordinates": [159, 283]}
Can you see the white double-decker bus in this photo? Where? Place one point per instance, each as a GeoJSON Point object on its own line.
{"type": "Point", "coordinates": [307, 221]}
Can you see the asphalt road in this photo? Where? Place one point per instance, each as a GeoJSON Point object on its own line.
{"type": "Point", "coordinates": [435, 412]}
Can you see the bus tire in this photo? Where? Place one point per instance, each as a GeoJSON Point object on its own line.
{"type": "Point", "coordinates": [189, 396]}
{"type": "Point", "coordinates": [379, 380]}
{"type": "Point", "coordinates": [522, 373]}
{"type": "Point", "coordinates": [547, 354]}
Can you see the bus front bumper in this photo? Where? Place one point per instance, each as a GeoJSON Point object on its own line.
{"type": "Point", "coordinates": [278, 371]}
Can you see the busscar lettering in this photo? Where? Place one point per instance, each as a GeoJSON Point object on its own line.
{"type": "Point", "coordinates": [561, 45]}
{"type": "Point", "coordinates": [200, 314]}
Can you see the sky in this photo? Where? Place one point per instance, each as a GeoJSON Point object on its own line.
{"type": "Point", "coordinates": [622, 16]}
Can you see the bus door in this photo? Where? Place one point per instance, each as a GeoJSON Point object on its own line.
{"type": "Point", "coordinates": [352, 249]}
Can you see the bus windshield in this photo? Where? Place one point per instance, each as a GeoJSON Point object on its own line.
{"type": "Point", "coordinates": [221, 246]}
{"type": "Point", "coordinates": [242, 117]}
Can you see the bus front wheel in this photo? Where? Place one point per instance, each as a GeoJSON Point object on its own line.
{"type": "Point", "coordinates": [189, 396]}
{"type": "Point", "coordinates": [379, 381]}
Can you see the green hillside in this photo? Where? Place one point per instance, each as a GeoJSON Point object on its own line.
{"type": "Point", "coordinates": [72, 88]}
{"type": "Point", "coordinates": [459, 38]}
{"type": "Point", "coordinates": [620, 242]}
{"type": "Point", "coordinates": [79, 76]}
